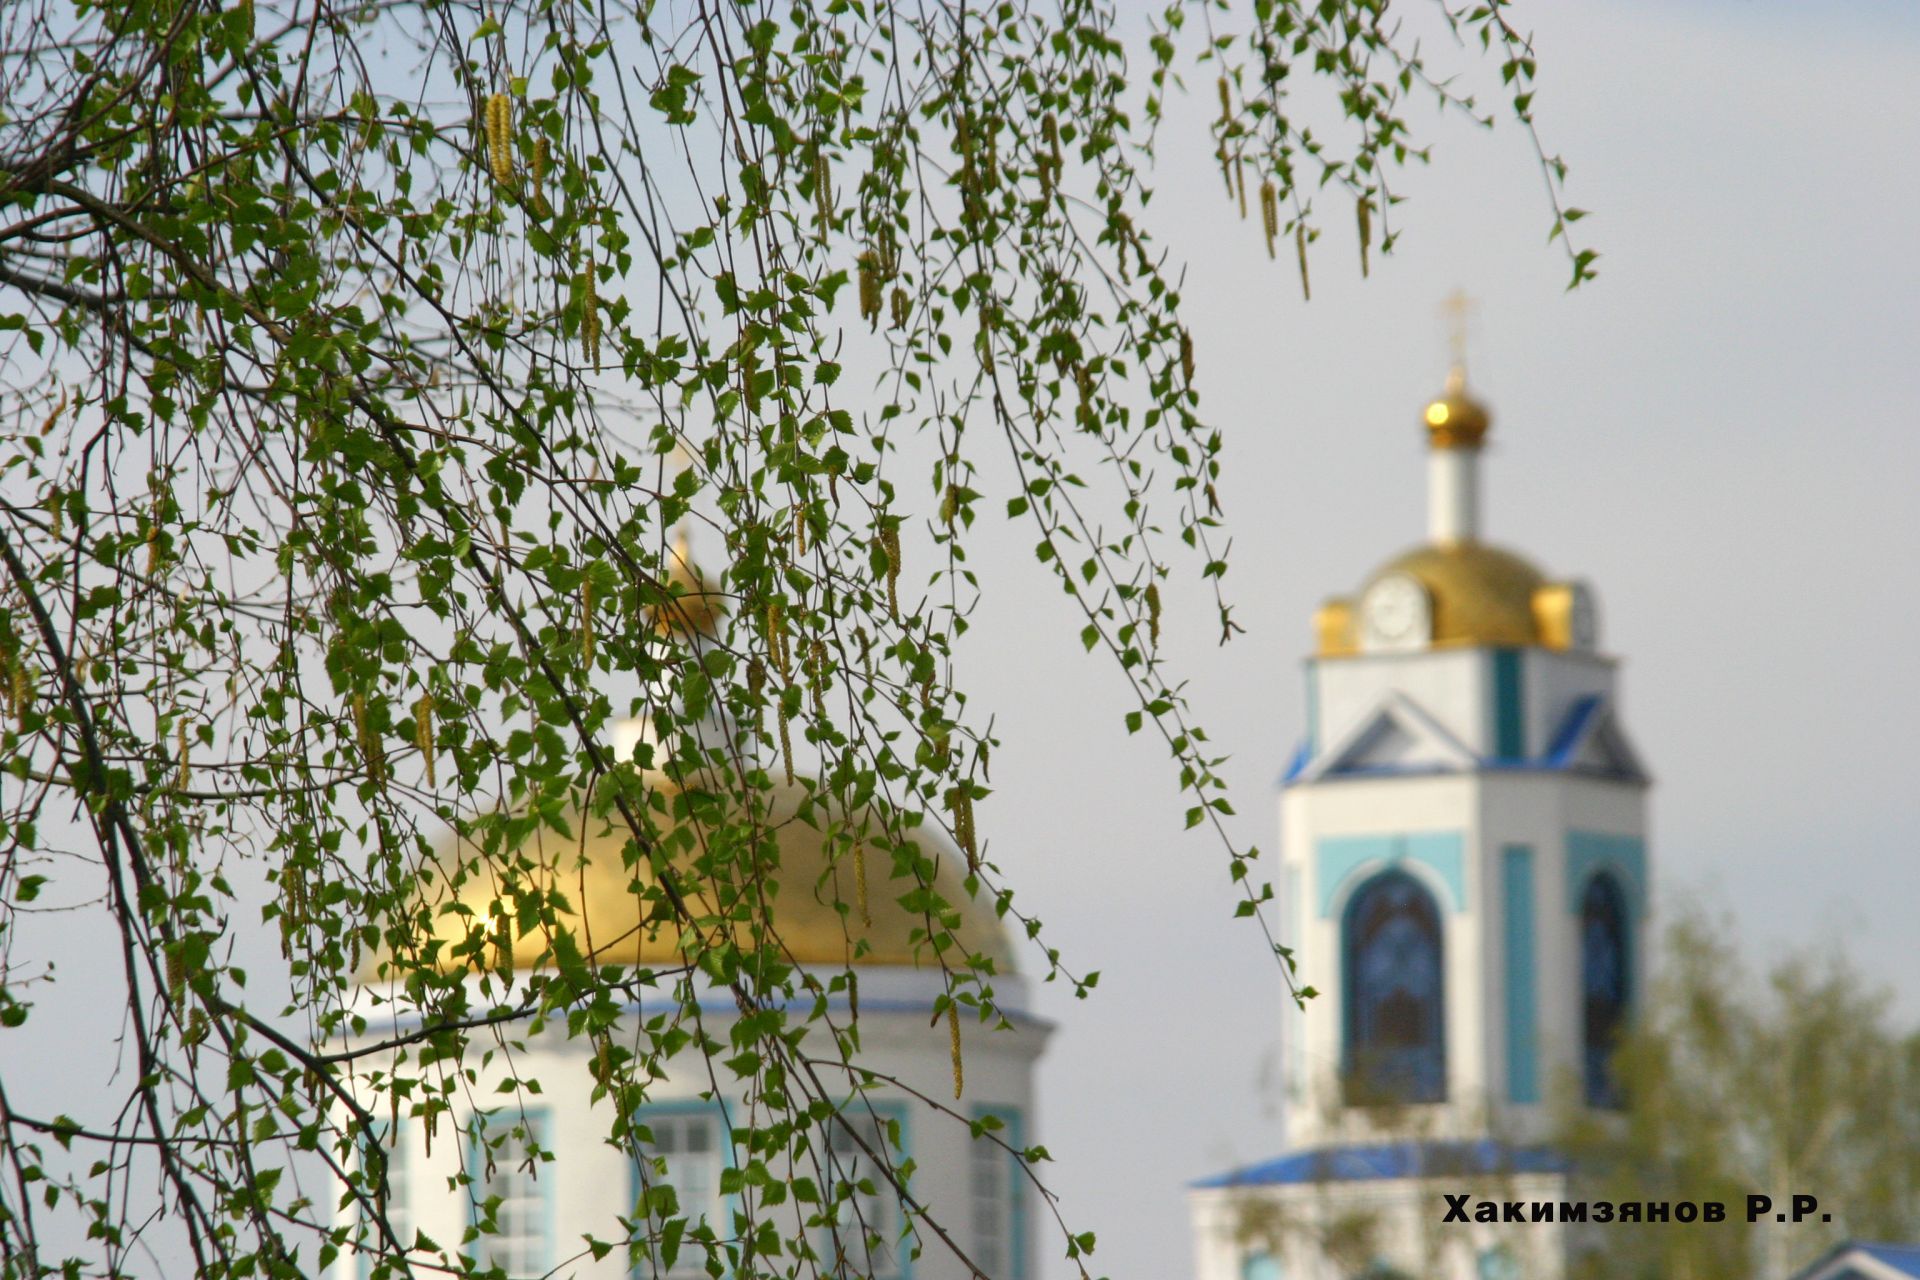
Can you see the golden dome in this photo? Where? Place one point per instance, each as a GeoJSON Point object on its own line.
{"type": "Point", "coordinates": [1480, 595]}
{"type": "Point", "coordinates": [696, 608]}
{"type": "Point", "coordinates": [1456, 420]}
{"type": "Point", "coordinates": [804, 895]}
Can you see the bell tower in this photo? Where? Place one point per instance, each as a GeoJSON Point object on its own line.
{"type": "Point", "coordinates": [1463, 840]}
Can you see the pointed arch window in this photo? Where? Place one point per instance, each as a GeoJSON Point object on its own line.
{"type": "Point", "coordinates": [1606, 980]}
{"type": "Point", "coordinates": [1395, 985]}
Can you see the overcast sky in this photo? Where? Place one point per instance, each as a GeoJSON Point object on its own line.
{"type": "Point", "coordinates": [1722, 434]}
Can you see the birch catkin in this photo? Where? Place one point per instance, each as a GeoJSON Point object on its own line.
{"type": "Point", "coordinates": [500, 137]}
{"type": "Point", "coordinates": [953, 1040]}
{"type": "Point", "coordinates": [818, 653]}
{"type": "Point", "coordinates": [586, 622]}
{"type": "Point", "coordinates": [1270, 214]}
{"type": "Point", "coordinates": [890, 546]}
{"type": "Point", "coordinates": [1300, 248]}
{"type": "Point", "coordinates": [590, 313]}
{"type": "Point", "coordinates": [960, 800]}
{"type": "Point", "coordinates": [542, 157]}
{"type": "Point", "coordinates": [823, 190]}
{"type": "Point", "coordinates": [1363, 213]}
{"type": "Point", "coordinates": [423, 732]}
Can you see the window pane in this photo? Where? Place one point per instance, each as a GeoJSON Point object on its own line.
{"type": "Point", "coordinates": [866, 1228]}
{"type": "Point", "coordinates": [991, 1246]}
{"type": "Point", "coordinates": [506, 1170]}
{"type": "Point", "coordinates": [1395, 1008]}
{"type": "Point", "coordinates": [685, 1155]}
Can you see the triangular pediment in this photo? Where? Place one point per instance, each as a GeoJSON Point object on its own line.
{"type": "Point", "coordinates": [1396, 736]}
{"type": "Point", "coordinates": [1592, 740]}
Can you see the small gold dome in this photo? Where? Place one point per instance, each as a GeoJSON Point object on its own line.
{"type": "Point", "coordinates": [804, 894]}
{"type": "Point", "coordinates": [1456, 420]}
{"type": "Point", "coordinates": [696, 608]}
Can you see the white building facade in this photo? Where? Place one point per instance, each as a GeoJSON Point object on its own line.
{"type": "Point", "coordinates": [1463, 840]}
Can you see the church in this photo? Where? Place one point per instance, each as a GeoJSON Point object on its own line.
{"type": "Point", "coordinates": [1463, 835]}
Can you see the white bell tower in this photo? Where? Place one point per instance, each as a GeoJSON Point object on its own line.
{"type": "Point", "coordinates": [1464, 862]}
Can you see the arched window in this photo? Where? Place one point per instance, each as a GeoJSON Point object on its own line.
{"type": "Point", "coordinates": [1396, 1043]}
{"type": "Point", "coordinates": [1606, 982]}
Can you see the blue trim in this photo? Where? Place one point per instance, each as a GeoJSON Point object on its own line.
{"type": "Point", "coordinates": [1480, 766]}
{"type": "Point", "coordinates": [1339, 862]}
{"type": "Point", "coordinates": [723, 1138]}
{"type": "Point", "coordinates": [1013, 1133]}
{"type": "Point", "coordinates": [1509, 706]}
{"type": "Point", "coordinates": [1297, 765]}
{"type": "Point", "coordinates": [1590, 852]}
{"type": "Point", "coordinates": [536, 1121]}
{"type": "Point", "coordinates": [1386, 1161]}
{"type": "Point", "coordinates": [1904, 1259]}
{"type": "Point", "coordinates": [1523, 1077]}
{"type": "Point", "coordinates": [1582, 712]}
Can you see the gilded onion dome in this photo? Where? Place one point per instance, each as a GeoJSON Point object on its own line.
{"type": "Point", "coordinates": [812, 895]}
{"type": "Point", "coordinates": [696, 607]}
{"type": "Point", "coordinates": [1455, 420]}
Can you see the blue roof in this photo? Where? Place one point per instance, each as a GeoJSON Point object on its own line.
{"type": "Point", "coordinates": [1383, 1161]}
{"type": "Point", "coordinates": [1904, 1258]}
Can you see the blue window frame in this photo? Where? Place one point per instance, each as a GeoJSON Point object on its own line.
{"type": "Point", "coordinates": [1395, 988]}
{"type": "Point", "coordinates": [687, 1146]}
{"type": "Point", "coordinates": [1606, 982]}
{"type": "Point", "coordinates": [865, 1235]}
{"type": "Point", "coordinates": [997, 1185]}
{"type": "Point", "coordinates": [505, 1173]}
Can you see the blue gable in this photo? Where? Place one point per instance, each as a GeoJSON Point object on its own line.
{"type": "Point", "coordinates": [1384, 1161]}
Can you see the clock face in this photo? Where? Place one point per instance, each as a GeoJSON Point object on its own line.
{"type": "Point", "coordinates": [1395, 614]}
{"type": "Point", "coordinates": [1583, 621]}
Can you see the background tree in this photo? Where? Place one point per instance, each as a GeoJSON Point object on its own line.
{"type": "Point", "coordinates": [362, 357]}
{"type": "Point", "coordinates": [1740, 1083]}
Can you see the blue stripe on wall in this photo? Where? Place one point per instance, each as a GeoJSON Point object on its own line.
{"type": "Point", "coordinates": [1509, 711]}
{"type": "Point", "coordinates": [1442, 852]}
{"type": "Point", "coordinates": [1523, 1077]}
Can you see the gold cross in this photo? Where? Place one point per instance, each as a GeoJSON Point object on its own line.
{"type": "Point", "coordinates": [1457, 309]}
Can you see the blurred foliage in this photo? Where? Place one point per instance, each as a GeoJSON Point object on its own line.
{"type": "Point", "coordinates": [362, 359]}
{"type": "Point", "coordinates": [1738, 1083]}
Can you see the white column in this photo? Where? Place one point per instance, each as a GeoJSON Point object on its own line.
{"type": "Point", "coordinates": [1453, 495]}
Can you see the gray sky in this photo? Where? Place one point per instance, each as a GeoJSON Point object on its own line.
{"type": "Point", "coordinates": [1720, 434]}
